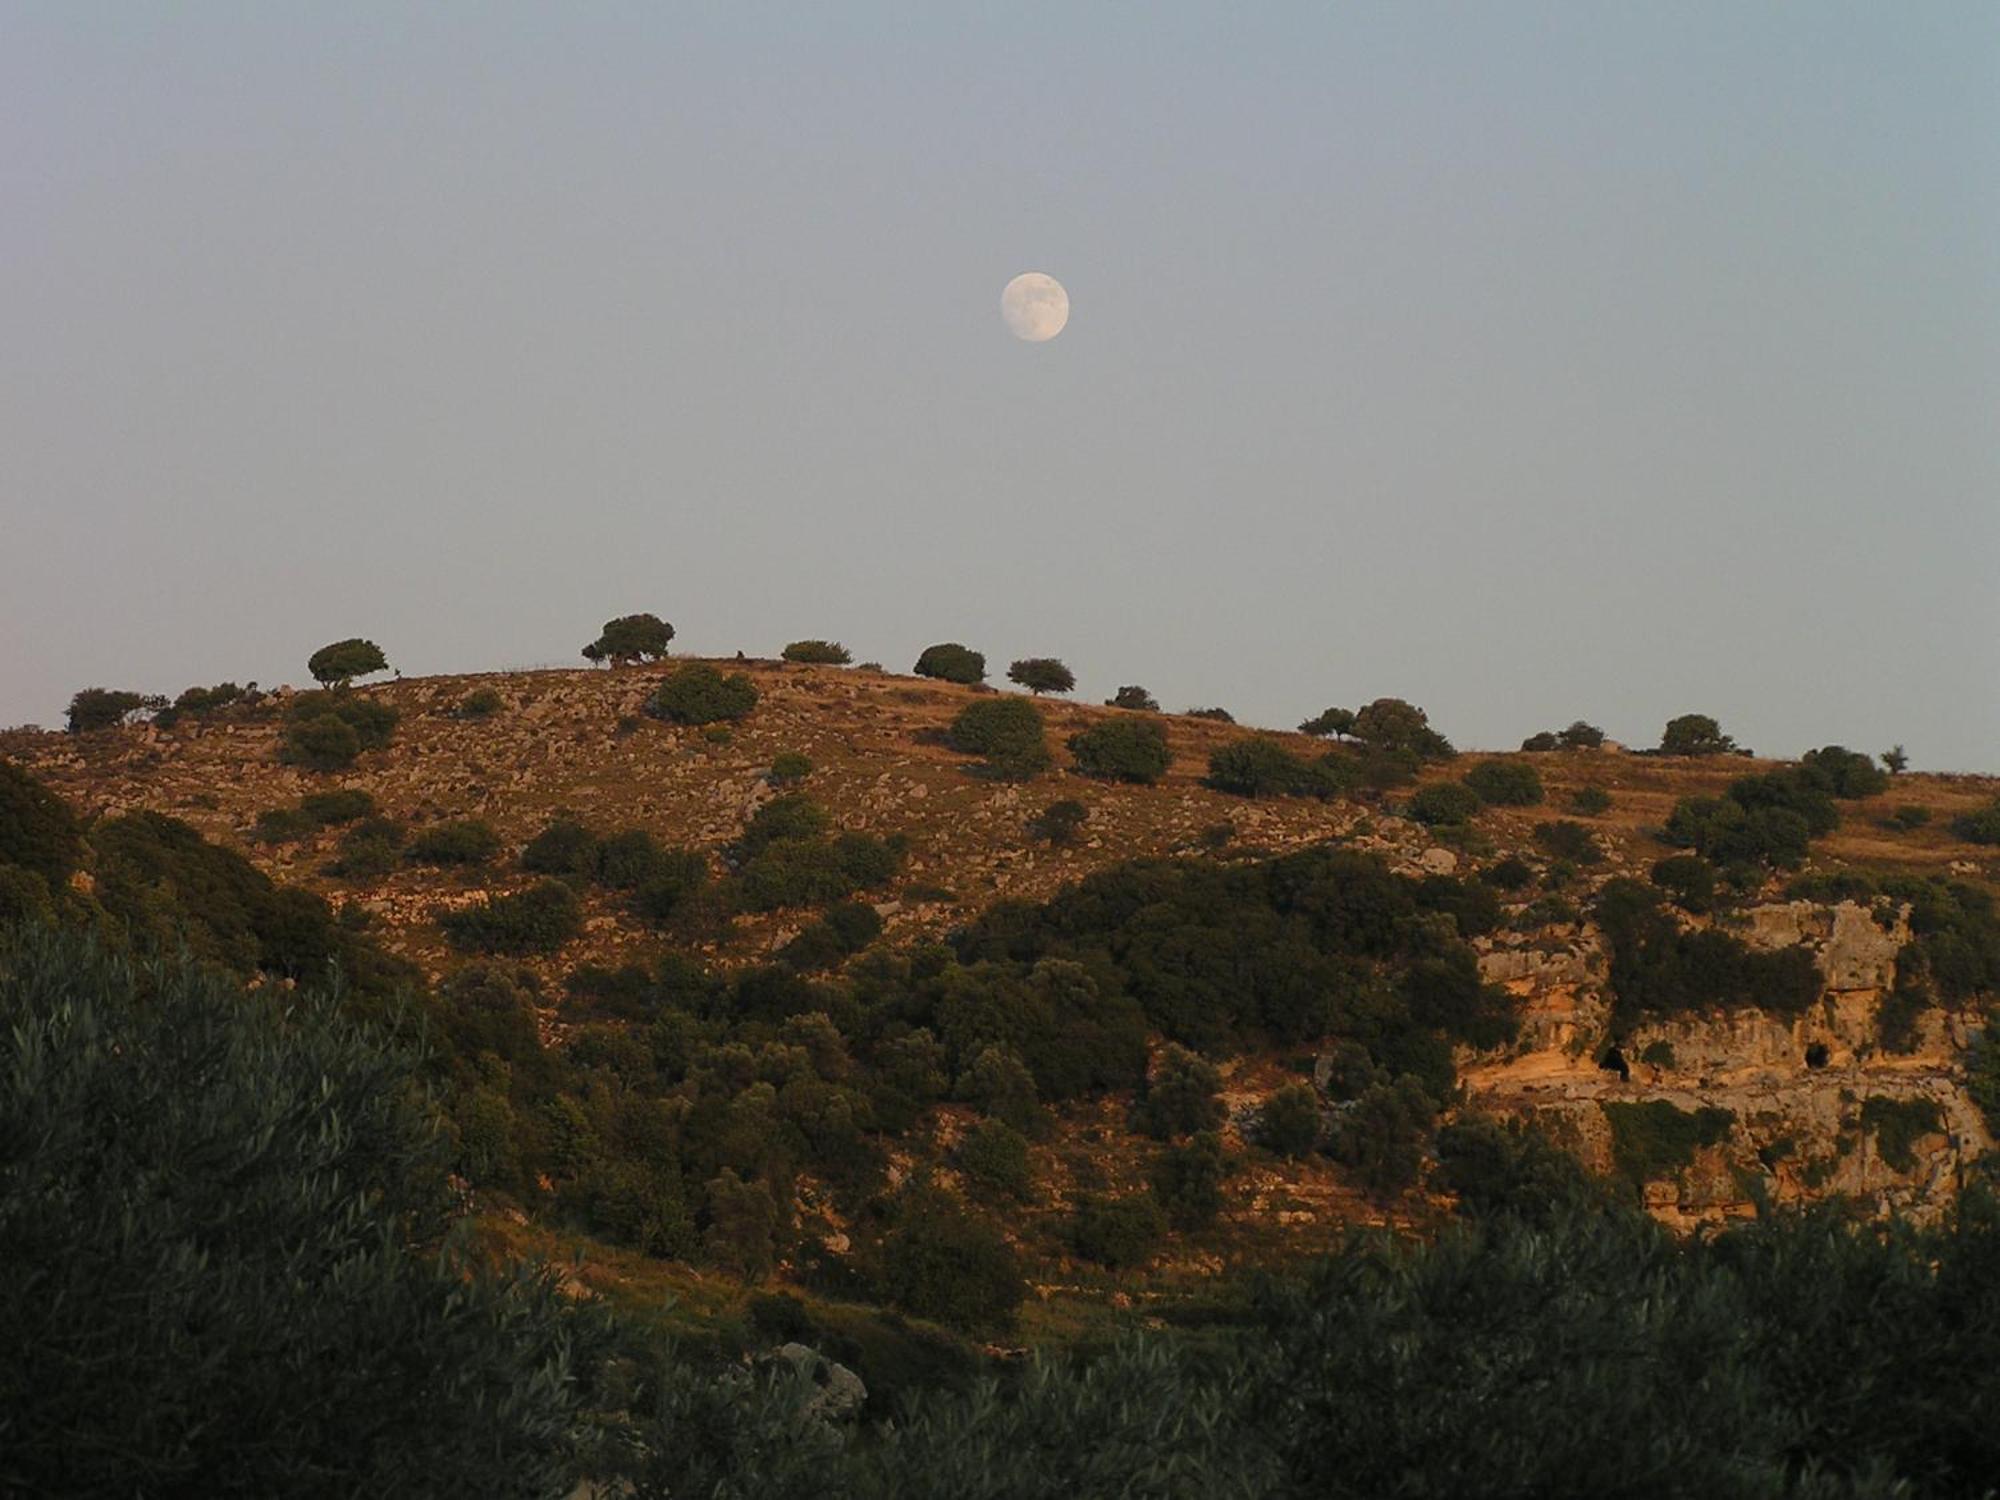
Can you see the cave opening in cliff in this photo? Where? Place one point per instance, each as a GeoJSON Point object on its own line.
{"type": "Point", "coordinates": [1613, 1061]}
{"type": "Point", "coordinates": [1817, 1055]}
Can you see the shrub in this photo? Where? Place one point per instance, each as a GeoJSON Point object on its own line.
{"type": "Point", "coordinates": [1060, 822]}
{"type": "Point", "coordinates": [343, 661]}
{"type": "Point", "coordinates": [1513, 1170]}
{"type": "Point", "coordinates": [325, 743]}
{"type": "Point", "coordinates": [1981, 826]}
{"type": "Point", "coordinates": [1289, 1121]}
{"type": "Point", "coordinates": [672, 879]}
{"type": "Point", "coordinates": [1695, 734]}
{"type": "Point", "coordinates": [1796, 791]}
{"type": "Point", "coordinates": [480, 703]}
{"type": "Point", "coordinates": [1470, 904]}
{"type": "Point", "coordinates": [1843, 773]}
{"type": "Point", "coordinates": [1381, 1134]}
{"type": "Point", "coordinates": [1392, 724]}
{"type": "Point", "coordinates": [345, 804]}
{"type": "Point", "coordinates": [1133, 697]}
{"type": "Point", "coordinates": [1444, 804]}
{"type": "Point", "coordinates": [792, 816]}
{"type": "Point", "coordinates": [1581, 736]}
{"type": "Point", "coordinates": [1187, 1182]}
{"type": "Point", "coordinates": [565, 847]}
{"type": "Point", "coordinates": [630, 638]}
{"type": "Point", "coordinates": [1898, 1124]}
{"type": "Point", "coordinates": [468, 841]}
{"type": "Point", "coordinates": [994, 1155]}
{"type": "Point", "coordinates": [1180, 1096]}
{"type": "Point", "coordinates": [819, 653]}
{"type": "Point", "coordinates": [1509, 874]}
{"type": "Point", "coordinates": [1567, 840]}
{"type": "Point", "coordinates": [939, 1262]}
{"type": "Point", "coordinates": [106, 708]}
{"type": "Point", "coordinates": [1895, 761]}
{"type": "Point", "coordinates": [1653, 1138]}
{"type": "Point", "coordinates": [1042, 674]}
{"type": "Point", "coordinates": [1117, 1232]}
{"type": "Point", "coordinates": [38, 832]}
{"type": "Point", "coordinates": [999, 1084]}
{"type": "Point", "coordinates": [1505, 783]}
{"type": "Point", "coordinates": [1721, 829]}
{"type": "Point", "coordinates": [951, 662]}
{"type": "Point", "coordinates": [789, 767]}
{"type": "Point", "coordinates": [1007, 732]}
{"type": "Point", "coordinates": [1909, 817]}
{"type": "Point", "coordinates": [1590, 801]}
{"type": "Point", "coordinates": [1261, 767]}
{"type": "Point", "coordinates": [698, 694]}
{"type": "Point", "coordinates": [538, 920]}
{"type": "Point", "coordinates": [628, 859]}
{"type": "Point", "coordinates": [1219, 715]}
{"type": "Point", "coordinates": [1688, 880]}
{"type": "Point", "coordinates": [813, 871]}
{"type": "Point", "coordinates": [283, 825]}
{"type": "Point", "coordinates": [1132, 750]}
{"type": "Point", "coordinates": [369, 850]}
{"type": "Point", "coordinates": [1657, 968]}
{"type": "Point", "coordinates": [1541, 742]}
{"type": "Point", "coordinates": [1331, 723]}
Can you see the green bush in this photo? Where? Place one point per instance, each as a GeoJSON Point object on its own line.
{"type": "Point", "coordinates": [1723, 830]}
{"type": "Point", "coordinates": [1844, 773]}
{"type": "Point", "coordinates": [1331, 723]}
{"type": "Point", "coordinates": [1654, 1138]}
{"type": "Point", "coordinates": [1392, 724]}
{"type": "Point", "coordinates": [994, 1156]}
{"type": "Point", "coordinates": [1581, 736]}
{"type": "Point", "coordinates": [1187, 1182]}
{"type": "Point", "coordinates": [1381, 1134]}
{"type": "Point", "coordinates": [564, 847]}
{"type": "Point", "coordinates": [369, 850]}
{"type": "Point", "coordinates": [788, 768]}
{"type": "Point", "coordinates": [819, 653]}
{"type": "Point", "coordinates": [468, 841]}
{"type": "Point", "coordinates": [1444, 804]}
{"type": "Point", "coordinates": [1505, 783]}
{"type": "Point", "coordinates": [1981, 826]}
{"type": "Point", "coordinates": [951, 662]}
{"type": "Point", "coordinates": [283, 825]}
{"type": "Point", "coordinates": [37, 830]}
{"type": "Point", "coordinates": [106, 708]}
{"type": "Point", "coordinates": [1658, 968]}
{"type": "Point", "coordinates": [1217, 715]}
{"type": "Point", "coordinates": [330, 809]}
{"type": "Point", "coordinates": [540, 919]}
{"type": "Point", "coordinates": [1590, 801]}
{"type": "Point", "coordinates": [672, 880]}
{"type": "Point", "coordinates": [1289, 1121]}
{"type": "Point", "coordinates": [1695, 734]}
{"type": "Point", "coordinates": [1117, 1232]}
{"type": "Point", "coordinates": [630, 638]}
{"type": "Point", "coordinates": [1571, 841]}
{"type": "Point", "coordinates": [1060, 822]}
{"type": "Point", "coordinates": [1042, 674]}
{"type": "Point", "coordinates": [1134, 697]}
{"type": "Point", "coordinates": [343, 661]}
{"type": "Point", "coordinates": [480, 703]}
{"type": "Point", "coordinates": [1510, 873]}
{"type": "Point", "coordinates": [1007, 732]}
{"type": "Point", "coordinates": [1541, 742]}
{"type": "Point", "coordinates": [697, 694]}
{"type": "Point", "coordinates": [1910, 817]}
{"type": "Point", "coordinates": [1180, 1096]}
{"type": "Point", "coordinates": [1260, 767]}
{"type": "Point", "coordinates": [1133, 750]}
{"type": "Point", "coordinates": [325, 743]}
{"type": "Point", "coordinates": [1512, 1170]}
{"type": "Point", "coordinates": [815, 871]}
{"type": "Point", "coordinates": [939, 1262]}
{"type": "Point", "coordinates": [1688, 880]}
{"type": "Point", "coordinates": [790, 817]}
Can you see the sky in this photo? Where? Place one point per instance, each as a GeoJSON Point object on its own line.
{"type": "Point", "coordinates": [1530, 362]}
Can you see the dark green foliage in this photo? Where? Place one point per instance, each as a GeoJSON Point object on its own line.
{"type": "Point", "coordinates": [1289, 1121]}
{"type": "Point", "coordinates": [1570, 841]}
{"type": "Point", "coordinates": [1133, 697]}
{"type": "Point", "coordinates": [1721, 829]}
{"type": "Point", "coordinates": [1898, 1124]}
{"type": "Point", "coordinates": [283, 825]}
{"type": "Point", "coordinates": [998, 1083]}
{"type": "Point", "coordinates": [565, 847]}
{"type": "Point", "coordinates": [1508, 874]}
{"type": "Point", "coordinates": [1444, 804]}
{"type": "Point", "coordinates": [1180, 1096]}
{"type": "Point", "coordinates": [1894, 760]}
{"type": "Point", "coordinates": [1541, 742]}
{"type": "Point", "coordinates": [819, 653]}
{"type": "Point", "coordinates": [38, 832]}
{"type": "Point", "coordinates": [538, 920]}
{"type": "Point", "coordinates": [106, 708]}
{"type": "Point", "coordinates": [1655, 1138]}
{"type": "Point", "coordinates": [951, 662]}
{"type": "Point", "coordinates": [1187, 1181]}
{"type": "Point", "coordinates": [1117, 1232]}
{"type": "Point", "coordinates": [200, 702]}
{"type": "Point", "coordinates": [630, 638]}
{"type": "Point", "coordinates": [480, 703]}
{"type": "Point", "coordinates": [1132, 750]}
{"type": "Point", "coordinates": [1381, 1134]}
{"type": "Point", "coordinates": [1795, 791]}
{"type": "Point", "coordinates": [1472, 906]}
{"type": "Point", "coordinates": [1217, 715]}
{"type": "Point", "coordinates": [939, 1262]}
{"type": "Point", "coordinates": [1260, 767]}
{"type": "Point", "coordinates": [1955, 946]}
{"type": "Point", "coordinates": [698, 694]}
{"type": "Point", "coordinates": [1506, 783]}
{"type": "Point", "coordinates": [1688, 880]}
{"type": "Point", "coordinates": [330, 809]}
{"type": "Point", "coordinates": [673, 879]}
{"type": "Point", "coordinates": [1980, 826]}
{"type": "Point", "coordinates": [845, 930]}
{"type": "Point", "coordinates": [326, 742]}
{"type": "Point", "coordinates": [240, 1281]}
{"type": "Point", "coordinates": [1331, 723]}
{"type": "Point", "coordinates": [1581, 736]}
{"type": "Point", "coordinates": [785, 858]}
{"type": "Point", "coordinates": [1511, 1169]}
{"type": "Point", "coordinates": [1042, 674]}
{"type": "Point", "coordinates": [1007, 732]}
{"type": "Point", "coordinates": [1910, 817]}
{"type": "Point", "coordinates": [1843, 772]}
{"type": "Point", "coordinates": [784, 819]}
{"type": "Point", "coordinates": [1060, 822]}
{"type": "Point", "coordinates": [994, 1156]}
{"type": "Point", "coordinates": [1590, 801]}
{"type": "Point", "coordinates": [1695, 734]}
{"type": "Point", "coordinates": [468, 841]}
{"type": "Point", "coordinates": [1659, 968]}
{"type": "Point", "coordinates": [1392, 724]}
{"type": "Point", "coordinates": [789, 767]}
{"type": "Point", "coordinates": [343, 661]}
{"type": "Point", "coordinates": [368, 850]}
{"type": "Point", "coordinates": [628, 859]}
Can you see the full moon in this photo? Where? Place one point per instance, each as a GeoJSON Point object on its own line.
{"type": "Point", "coordinates": [1035, 306]}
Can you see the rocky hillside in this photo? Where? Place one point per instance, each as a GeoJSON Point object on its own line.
{"type": "Point", "coordinates": [1816, 1103]}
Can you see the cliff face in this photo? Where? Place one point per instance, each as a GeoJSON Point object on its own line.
{"type": "Point", "coordinates": [1819, 1106]}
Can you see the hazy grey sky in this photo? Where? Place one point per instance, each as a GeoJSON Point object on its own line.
{"type": "Point", "coordinates": [1525, 361]}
